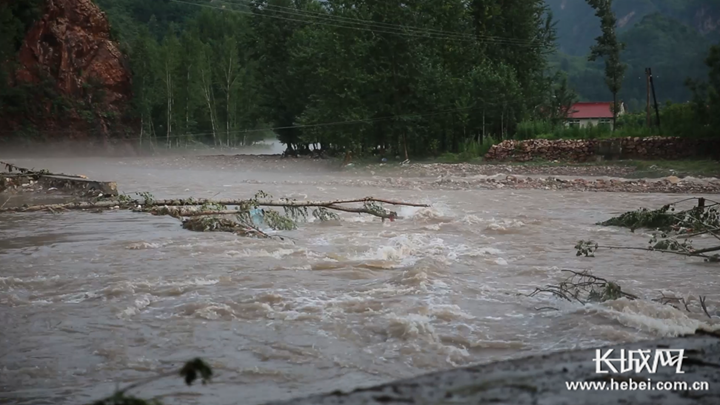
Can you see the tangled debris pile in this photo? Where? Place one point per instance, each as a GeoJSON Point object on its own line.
{"type": "Point", "coordinates": [16, 180]}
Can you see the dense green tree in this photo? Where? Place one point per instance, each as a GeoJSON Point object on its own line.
{"type": "Point", "coordinates": [706, 94]}
{"type": "Point", "coordinates": [609, 48]}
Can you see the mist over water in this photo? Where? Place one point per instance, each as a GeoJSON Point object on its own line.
{"type": "Point", "coordinates": [89, 300]}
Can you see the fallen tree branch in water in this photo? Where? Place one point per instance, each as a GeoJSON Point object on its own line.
{"type": "Point", "coordinates": [676, 301]}
{"type": "Point", "coordinates": [149, 203]}
{"type": "Point", "coordinates": [584, 288]}
{"type": "Point", "coordinates": [672, 230]}
{"type": "Point", "coordinates": [205, 215]}
{"type": "Point", "coordinates": [180, 213]}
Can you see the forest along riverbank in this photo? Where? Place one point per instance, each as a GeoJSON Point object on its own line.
{"type": "Point", "coordinates": [92, 299]}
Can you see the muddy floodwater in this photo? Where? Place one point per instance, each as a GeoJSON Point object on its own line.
{"type": "Point", "coordinates": [90, 300]}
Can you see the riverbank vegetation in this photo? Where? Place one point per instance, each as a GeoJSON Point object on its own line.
{"type": "Point", "coordinates": [345, 78]}
{"type": "Point", "coordinates": [440, 79]}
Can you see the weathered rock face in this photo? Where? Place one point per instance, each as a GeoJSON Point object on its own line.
{"type": "Point", "coordinates": [584, 150]}
{"type": "Point", "coordinates": [71, 45]}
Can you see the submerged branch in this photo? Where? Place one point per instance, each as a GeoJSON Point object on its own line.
{"type": "Point", "coordinates": [188, 213]}
{"type": "Point", "coordinates": [584, 287]}
{"type": "Point", "coordinates": [248, 215]}
{"type": "Point", "coordinates": [148, 203]}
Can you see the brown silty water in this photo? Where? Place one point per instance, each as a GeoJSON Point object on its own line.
{"type": "Point", "coordinates": [90, 300]}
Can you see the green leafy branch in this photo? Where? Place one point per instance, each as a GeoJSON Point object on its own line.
{"type": "Point", "coordinates": [673, 229]}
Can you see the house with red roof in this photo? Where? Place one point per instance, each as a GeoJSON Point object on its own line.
{"type": "Point", "coordinates": [592, 113]}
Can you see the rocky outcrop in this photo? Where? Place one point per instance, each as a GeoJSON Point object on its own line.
{"type": "Point", "coordinates": [584, 150]}
{"type": "Point", "coordinates": [706, 20]}
{"type": "Point", "coordinates": [70, 48]}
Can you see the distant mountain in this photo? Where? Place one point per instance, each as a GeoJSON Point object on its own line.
{"type": "Point", "coordinates": [670, 36]}
{"type": "Point", "coordinates": [578, 27]}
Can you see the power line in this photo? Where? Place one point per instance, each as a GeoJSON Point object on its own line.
{"type": "Point", "coordinates": [330, 17]}
{"type": "Point", "coordinates": [416, 34]}
{"type": "Point", "coordinates": [409, 34]}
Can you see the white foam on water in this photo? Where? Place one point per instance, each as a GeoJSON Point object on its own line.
{"type": "Point", "coordinates": [436, 213]}
{"type": "Point", "coordinates": [140, 303]}
{"type": "Point", "coordinates": [407, 249]}
{"type": "Point", "coordinates": [655, 318]}
{"type": "Point", "coordinates": [142, 246]}
{"type": "Point", "coordinates": [275, 254]}
{"type": "Point", "coordinates": [504, 225]}
{"type": "Point", "coordinates": [411, 326]}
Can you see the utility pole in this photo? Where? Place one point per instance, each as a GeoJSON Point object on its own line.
{"type": "Point", "coordinates": [647, 104]}
{"type": "Point", "coordinates": [652, 86]}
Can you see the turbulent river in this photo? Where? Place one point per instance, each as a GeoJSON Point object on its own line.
{"type": "Point", "coordinates": [91, 300]}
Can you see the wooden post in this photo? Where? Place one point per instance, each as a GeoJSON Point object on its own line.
{"type": "Point", "coordinates": [701, 203]}
{"type": "Point", "coordinates": [652, 86]}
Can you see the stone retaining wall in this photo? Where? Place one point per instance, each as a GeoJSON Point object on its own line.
{"type": "Point", "coordinates": [584, 150]}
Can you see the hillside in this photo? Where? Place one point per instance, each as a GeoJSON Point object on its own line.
{"type": "Point", "coordinates": [673, 50]}
{"type": "Point", "coordinates": [671, 37]}
{"type": "Point", "coordinates": [578, 27]}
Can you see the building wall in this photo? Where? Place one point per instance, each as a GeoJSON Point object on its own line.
{"type": "Point", "coordinates": [582, 123]}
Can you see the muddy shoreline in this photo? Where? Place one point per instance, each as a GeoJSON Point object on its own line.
{"type": "Point", "coordinates": [253, 169]}
{"type": "Point", "coordinates": [448, 176]}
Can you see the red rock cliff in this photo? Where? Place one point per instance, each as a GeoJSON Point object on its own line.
{"type": "Point", "coordinates": [71, 44]}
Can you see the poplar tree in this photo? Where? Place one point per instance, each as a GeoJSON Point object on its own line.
{"type": "Point", "coordinates": [608, 47]}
